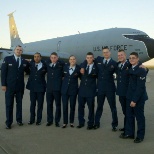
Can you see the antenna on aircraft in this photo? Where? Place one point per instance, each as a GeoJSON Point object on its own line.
{"type": "Point", "coordinates": [79, 32]}
{"type": "Point", "coordinates": [10, 14]}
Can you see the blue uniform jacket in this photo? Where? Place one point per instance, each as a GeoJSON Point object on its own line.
{"type": "Point", "coordinates": [136, 88]}
{"type": "Point", "coordinates": [54, 76]}
{"type": "Point", "coordinates": [36, 81]}
{"type": "Point", "coordinates": [70, 82]}
{"type": "Point", "coordinates": [105, 75]}
{"type": "Point", "coordinates": [11, 76]}
{"type": "Point", "coordinates": [87, 86]}
{"type": "Point", "coordinates": [123, 79]}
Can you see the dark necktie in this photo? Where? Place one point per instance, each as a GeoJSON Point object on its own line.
{"type": "Point", "coordinates": [105, 63]}
{"type": "Point", "coordinates": [121, 66]}
{"type": "Point", "coordinates": [71, 69]}
{"type": "Point", "coordinates": [87, 69]}
{"type": "Point", "coordinates": [53, 65]}
{"type": "Point", "coordinates": [36, 67]}
{"type": "Point", "coordinates": [18, 62]}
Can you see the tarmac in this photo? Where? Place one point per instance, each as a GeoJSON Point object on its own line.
{"type": "Point", "coordinates": [41, 139]}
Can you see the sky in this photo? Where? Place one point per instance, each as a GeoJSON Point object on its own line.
{"type": "Point", "coordinates": [46, 19]}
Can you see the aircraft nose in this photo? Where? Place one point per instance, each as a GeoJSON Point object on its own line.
{"type": "Point", "coordinates": [150, 47]}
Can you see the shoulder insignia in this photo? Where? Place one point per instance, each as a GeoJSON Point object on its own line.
{"type": "Point", "coordinates": [142, 78]}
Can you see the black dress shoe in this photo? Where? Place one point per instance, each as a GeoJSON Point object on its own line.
{"type": "Point", "coordinates": [57, 124]}
{"type": "Point", "coordinates": [64, 126]}
{"type": "Point", "coordinates": [80, 126]}
{"type": "Point", "coordinates": [122, 129]}
{"type": "Point", "coordinates": [30, 122]}
{"type": "Point", "coordinates": [49, 124]}
{"type": "Point", "coordinates": [114, 129]}
{"type": "Point", "coordinates": [96, 126]}
{"type": "Point", "coordinates": [20, 123]}
{"type": "Point", "coordinates": [138, 140]}
{"type": "Point", "coordinates": [38, 123]}
{"type": "Point", "coordinates": [8, 127]}
{"type": "Point", "coordinates": [89, 127]}
{"type": "Point", "coordinates": [71, 125]}
{"type": "Point", "coordinates": [126, 136]}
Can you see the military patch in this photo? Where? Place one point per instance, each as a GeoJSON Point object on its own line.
{"type": "Point", "coordinates": [142, 78]}
{"type": "Point", "coordinates": [24, 65]}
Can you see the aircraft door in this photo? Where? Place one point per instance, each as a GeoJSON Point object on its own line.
{"type": "Point", "coordinates": [58, 46]}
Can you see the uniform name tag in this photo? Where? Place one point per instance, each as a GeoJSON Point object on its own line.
{"type": "Point", "coordinates": [65, 72]}
{"type": "Point", "coordinates": [99, 63]}
{"type": "Point", "coordinates": [112, 66]}
{"type": "Point", "coordinates": [10, 64]}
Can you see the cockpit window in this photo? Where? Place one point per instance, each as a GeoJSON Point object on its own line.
{"type": "Point", "coordinates": [137, 37]}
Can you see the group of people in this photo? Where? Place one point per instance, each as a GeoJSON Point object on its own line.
{"type": "Point", "coordinates": [96, 79]}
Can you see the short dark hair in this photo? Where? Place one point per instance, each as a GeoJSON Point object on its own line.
{"type": "Point", "coordinates": [90, 53]}
{"type": "Point", "coordinates": [121, 50]}
{"type": "Point", "coordinates": [71, 56]}
{"type": "Point", "coordinates": [106, 47]}
{"type": "Point", "coordinates": [38, 54]}
{"type": "Point", "coordinates": [54, 53]}
{"type": "Point", "coordinates": [18, 46]}
{"type": "Point", "coordinates": [135, 54]}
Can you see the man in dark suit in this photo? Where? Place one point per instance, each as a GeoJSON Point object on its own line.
{"type": "Point", "coordinates": [122, 81]}
{"type": "Point", "coordinates": [37, 86]}
{"type": "Point", "coordinates": [12, 80]}
{"type": "Point", "coordinates": [87, 92]}
{"type": "Point", "coordinates": [69, 89]}
{"type": "Point", "coordinates": [106, 87]}
{"type": "Point", "coordinates": [136, 97]}
{"type": "Point", "coordinates": [54, 82]}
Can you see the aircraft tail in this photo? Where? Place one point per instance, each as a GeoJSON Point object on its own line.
{"type": "Point", "coordinates": [14, 36]}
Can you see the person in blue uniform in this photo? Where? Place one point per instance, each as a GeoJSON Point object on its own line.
{"type": "Point", "coordinates": [69, 90]}
{"type": "Point", "coordinates": [53, 92]}
{"type": "Point", "coordinates": [37, 86]}
{"type": "Point", "coordinates": [122, 81]}
{"type": "Point", "coordinates": [12, 80]}
{"type": "Point", "coordinates": [106, 87]}
{"type": "Point", "coordinates": [136, 97]}
{"type": "Point", "coordinates": [87, 92]}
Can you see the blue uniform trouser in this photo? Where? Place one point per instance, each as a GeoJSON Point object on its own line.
{"type": "Point", "coordinates": [39, 97]}
{"type": "Point", "coordinates": [65, 99]}
{"type": "Point", "coordinates": [9, 101]}
{"type": "Point", "coordinates": [50, 97]}
{"type": "Point", "coordinates": [138, 113]}
{"type": "Point", "coordinates": [112, 103]}
{"type": "Point", "coordinates": [81, 105]}
{"type": "Point", "coordinates": [122, 100]}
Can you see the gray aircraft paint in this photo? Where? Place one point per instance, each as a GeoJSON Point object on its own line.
{"type": "Point", "coordinates": [80, 44]}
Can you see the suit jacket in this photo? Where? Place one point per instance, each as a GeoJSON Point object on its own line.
{"type": "Point", "coordinates": [70, 82]}
{"type": "Point", "coordinates": [105, 75]}
{"type": "Point", "coordinates": [87, 86]}
{"type": "Point", "coordinates": [54, 76]}
{"type": "Point", "coordinates": [11, 76]}
{"type": "Point", "coordinates": [123, 78]}
{"type": "Point", "coordinates": [36, 81]}
{"type": "Point", "coordinates": [136, 88]}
